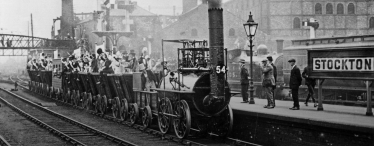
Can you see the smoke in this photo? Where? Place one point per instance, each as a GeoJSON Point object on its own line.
{"type": "Point", "coordinates": [215, 3]}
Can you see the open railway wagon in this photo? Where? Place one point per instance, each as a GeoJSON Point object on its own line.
{"type": "Point", "coordinates": [40, 82]}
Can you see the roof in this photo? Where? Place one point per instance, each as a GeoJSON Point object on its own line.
{"type": "Point", "coordinates": [138, 12]}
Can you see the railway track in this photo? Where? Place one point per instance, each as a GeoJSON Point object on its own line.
{"type": "Point", "coordinates": [156, 133]}
{"type": "Point", "coordinates": [67, 129]}
{"type": "Point", "coordinates": [4, 142]}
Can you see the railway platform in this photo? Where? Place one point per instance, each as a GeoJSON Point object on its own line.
{"type": "Point", "coordinates": [336, 125]}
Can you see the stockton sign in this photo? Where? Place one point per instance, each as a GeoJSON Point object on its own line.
{"type": "Point", "coordinates": [344, 64]}
{"type": "Point", "coordinates": [352, 63]}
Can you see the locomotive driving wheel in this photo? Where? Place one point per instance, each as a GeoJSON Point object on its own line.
{"type": "Point", "coordinates": [146, 116]}
{"type": "Point", "coordinates": [133, 113]}
{"type": "Point", "coordinates": [116, 108]}
{"type": "Point", "coordinates": [89, 102]}
{"type": "Point", "coordinates": [124, 108]}
{"type": "Point", "coordinates": [222, 124]}
{"type": "Point", "coordinates": [182, 123]}
{"type": "Point", "coordinates": [104, 105]}
{"type": "Point", "coordinates": [164, 121]}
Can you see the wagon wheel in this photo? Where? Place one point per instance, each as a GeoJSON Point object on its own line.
{"type": "Point", "coordinates": [116, 107]}
{"type": "Point", "coordinates": [89, 101]}
{"type": "Point", "coordinates": [133, 113]}
{"type": "Point", "coordinates": [60, 94]}
{"type": "Point", "coordinates": [42, 88]}
{"type": "Point", "coordinates": [104, 105]}
{"type": "Point", "coordinates": [37, 87]}
{"type": "Point", "coordinates": [72, 97]}
{"type": "Point", "coordinates": [77, 98]}
{"type": "Point", "coordinates": [47, 90]}
{"type": "Point", "coordinates": [222, 124]}
{"type": "Point", "coordinates": [30, 88]}
{"type": "Point", "coordinates": [67, 95]}
{"type": "Point", "coordinates": [124, 108]}
{"type": "Point", "coordinates": [97, 104]}
{"type": "Point", "coordinates": [51, 92]}
{"type": "Point", "coordinates": [182, 123]}
{"type": "Point", "coordinates": [164, 121]}
{"type": "Point", "coordinates": [84, 100]}
{"type": "Point", "coordinates": [146, 116]}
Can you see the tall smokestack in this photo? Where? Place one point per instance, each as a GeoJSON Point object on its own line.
{"type": "Point", "coordinates": [216, 49]}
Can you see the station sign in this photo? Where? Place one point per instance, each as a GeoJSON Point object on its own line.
{"type": "Point", "coordinates": [355, 63]}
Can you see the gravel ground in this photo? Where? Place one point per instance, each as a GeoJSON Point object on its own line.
{"type": "Point", "coordinates": [120, 131]}
{"type": "Point", "coordinates": [19, 131]}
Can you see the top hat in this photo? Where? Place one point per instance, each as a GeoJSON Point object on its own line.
{"type": "Point", "coordinates": [242, 61]}
{"type": "Point", "coordinates": [265, 60]}
{"type": "Point", "coordinates": [270, 58]}
{"type": "Point", "coordinates": [99, 51]}
{"type": "Point", "coordinates": [292, 60]}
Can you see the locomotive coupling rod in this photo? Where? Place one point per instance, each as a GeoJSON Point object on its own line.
{"type": "Point", "coordinates": [175, 116]}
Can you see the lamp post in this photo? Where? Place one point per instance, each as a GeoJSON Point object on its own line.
{"type": "Point", "coordinates": [250, 28]}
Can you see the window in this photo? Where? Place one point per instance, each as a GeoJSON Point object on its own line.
{"type": "Point", "coordinates": [329, 9]}
{"type": "Point", "coordinates": [351, 8]}
{"type": "Point", "coordinates": [340, 9]}
{"type": "Point", "coordinates": [371, 22]}
{"type": "Point", "coordinates": [318, 8]}
{"type": "Point", "coordinates": [296, 23]}
{"type": "Point", "coordinates": [194, 32]}
{"type": "Point", "coordinates": [232, 32]}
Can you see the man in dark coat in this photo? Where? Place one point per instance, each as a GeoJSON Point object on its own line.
{"type": "Point", "coordinates": [275, 76]}
{"type": "Point", "coordinates": [295, 82]}
{"type": "Point", "coordinates": [244, 80]}
{"type": "Point", "coordinates": [311, 83]}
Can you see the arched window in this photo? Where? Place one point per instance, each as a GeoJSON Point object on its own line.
{"type": "Point", "coordinates": [340, 9]}
{"type": "Point", "coordinates": [232, 32]}
{"type": "Point", "coordinates": [296, 23]}
{"type": "Point", "coordinates": [194, 32]}
{"type": "Point", "coordinates": [351, 8]}
{"type": "Point", "coordinates": [318, 8]}
{"type": "Point", "coordinates": [371, 22]}
{"type": "Point", "coordinates": [329, 9]}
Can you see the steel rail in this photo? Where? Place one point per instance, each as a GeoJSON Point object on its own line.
{"type": "Point", "coordinates": [3, 142]}
{"type": "Point", "coordinates": [42, 124]}
{"type": "Point", "coordinates": [84, 126]}
{"type": "Point", "coordinates": [152, 131]}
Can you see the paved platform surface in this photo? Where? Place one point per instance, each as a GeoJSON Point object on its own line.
{"type": "Point", "coordinates": [334, 114]}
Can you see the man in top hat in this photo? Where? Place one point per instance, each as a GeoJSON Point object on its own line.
{"type": "Point", "coordinates": [244, 80]}
{"type": "Point", "coordinates": [295, 82]}
{"type": "Point", "coordinates": [270, 59]}
{"type": "Point", "coordinates": [268, 82]}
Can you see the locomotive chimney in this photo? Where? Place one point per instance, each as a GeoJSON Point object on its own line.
{"type": "Point", "coordinates": [216, 51]}
{"type": "Point", "coordinates": [280, 46]}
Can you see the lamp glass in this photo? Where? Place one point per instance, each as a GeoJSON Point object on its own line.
{"type": "Point", "coordinates": [253, 28]}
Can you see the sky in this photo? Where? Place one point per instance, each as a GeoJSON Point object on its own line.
{"type": "Point", "coordinates": [15, 14]}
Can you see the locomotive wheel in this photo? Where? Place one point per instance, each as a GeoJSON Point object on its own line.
{"type": "Point", "coordinates": [124, 109]}
{"type": "Point", "coordinates": [97, 103]}
{"type": "Point", "coordinates": [182, 123]}
{"type": "Point", "coordinates": [133, 113]}
{"type": "Point", "coordinates": [146, 116]}
{"type": "Point", "coordinates": [89, 102]}
{"type": "Point", "coordinates": [164, 121]}
{"type": "Point", "coordinates": [222, 124]}
{"type": "Point", "coordinates": [116, 108]}
{"type": "Point", "coordinates": [104, 105]}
